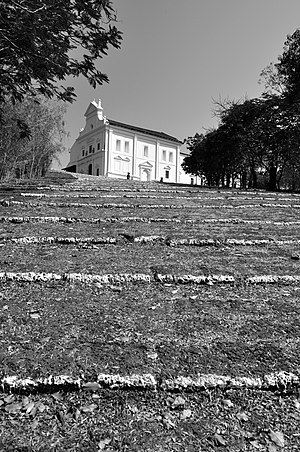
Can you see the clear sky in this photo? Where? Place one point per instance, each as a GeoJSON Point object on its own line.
{"type": "Point", "coordinates": [177, 57]}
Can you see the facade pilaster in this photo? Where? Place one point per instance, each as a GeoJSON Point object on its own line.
{"type": "Point", "coordinates": [134, 156]}
{"type": "Point", "coordinates": [109, 150]}
{"type": "Point", "coordinates": [157, 161]}
{"type": "Point", "coordinates": [178, 164]}
{"type": "Point", "coordinates": [106, 146]}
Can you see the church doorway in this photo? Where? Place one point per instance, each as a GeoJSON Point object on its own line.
{"type": "Point", "coordinates": [90, 171]}
{"type": "Point", "coordinates": [145, 175]}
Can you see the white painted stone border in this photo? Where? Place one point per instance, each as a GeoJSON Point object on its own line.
{"type": "Point", "coordinates": [60, 240]}
{"type": "Point", "coordinates": [154, 187]}
{"type": "Point", "coordinates": [118, 278]}
{"type": "Point", "coordinates": [68, 220]}
{"type": "Point", "coordinates": [277, 380]}
{"type": "Point", "coordinates": [123, 278]}
{"type": "Point", "coordinates": [152, 239]}
{"type": "Point", "coordinates": [7, 203]}
{"type": "Point", "coordinates": [230, 242]}
{"type": "Point", "coordinates": [158, 195]}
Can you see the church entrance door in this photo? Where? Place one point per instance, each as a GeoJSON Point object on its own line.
{"type": "Point", "coordinates": [145, 175]}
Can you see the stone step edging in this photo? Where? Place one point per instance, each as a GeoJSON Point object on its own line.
{"type": "Point", "coordinates": [68, 220]}
{"type": "Point", "coordinates": [152, 239]}
{"type": "Point", "coordinates": [125, 278]}
{"type": "Point", "coordinates": [278, 381]}
{"type": "Point", "coordinates": [8, 203]}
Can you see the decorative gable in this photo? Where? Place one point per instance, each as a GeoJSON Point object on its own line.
{"type": "Point", "coordinates": [91, 110]}
{"type": "Point", "coordinates": [95, 109]}
{"type": "Point", "coordinates": [146, 165]}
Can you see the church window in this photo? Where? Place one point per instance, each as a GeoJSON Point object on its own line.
{"type": "Point", "coordinates": [171, 157]}
{"type": "Point", "coordinates": [117, 165]}
{"type": "Point", "coordinates": [118, 145]}
{"type": "Point", "coordinates": [146, 151]}
{"type": "Point", "coordinates": [126, 166]}
{"type": "Point", "coordinates": [90, 149]}
{"type": "Point", "coordinates": [82, 153]}
{"type": "Point", "coordinates": [126, 147]}
{"type": "Point", "coordinates": [164, 155]}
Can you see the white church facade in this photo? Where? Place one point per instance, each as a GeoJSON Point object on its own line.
{"type": "Point", "coordinates": [110, 148]}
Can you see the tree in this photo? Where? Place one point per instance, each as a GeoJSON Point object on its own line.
{"type": "Point", "coordinates": [288, 67]}
{"type": "Point", "coordinates": [271, 79]}
{"type": "Point", "coordinates": [30, 157]}
{"type": "Point", "coordinates": [211, 156]}
{"type": "Point", "coordinates": [237, 119]}
{"type": "Point", "coordinates": [256, 135]}
{"type": "Point", "coordinates": [277, 133]}
{"type": "Point", "coordinates": [37, 38]}
{"type": "Point", "coordinates": [227, 152]}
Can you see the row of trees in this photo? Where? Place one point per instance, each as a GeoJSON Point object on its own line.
{"type": "Point", "coordinates": [257, 141]}
{"type": "Point", "coordinates": [42, 43]}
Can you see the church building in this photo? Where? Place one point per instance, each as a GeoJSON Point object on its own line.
{"type": "Point", "coordinates": [106, 147]}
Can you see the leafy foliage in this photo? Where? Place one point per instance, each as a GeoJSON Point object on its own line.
{"type": "Point", "coordinates": [37, 38]}
{"type": "Point", "coordinates": [288, 66]}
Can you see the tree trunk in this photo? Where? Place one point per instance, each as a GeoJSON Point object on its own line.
{"type": "Point", "coordinates": [252, 178]}
{"type": "Point", "coordinates": [272, 178]}
{"type": "Point", "coordinates": [228, 180]}
{"type": "Point", "coordinates": [223, 180]}
{"type": "Point", "coordinates": [244, 180]}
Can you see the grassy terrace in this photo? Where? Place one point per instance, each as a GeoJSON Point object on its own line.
{"type": "Point", "coordinates": [171, 329]}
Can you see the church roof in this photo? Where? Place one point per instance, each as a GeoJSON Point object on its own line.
{"type": "Point", "coordinates": [154, 133]}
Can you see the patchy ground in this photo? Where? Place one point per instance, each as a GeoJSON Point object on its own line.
{"type": "Point", "coordinates": [163, 329]}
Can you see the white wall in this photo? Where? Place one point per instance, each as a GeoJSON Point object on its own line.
{"type": "Point", "coordinates": [120, 153]}
{"type": "Point", "coordinates": [167, 162]}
